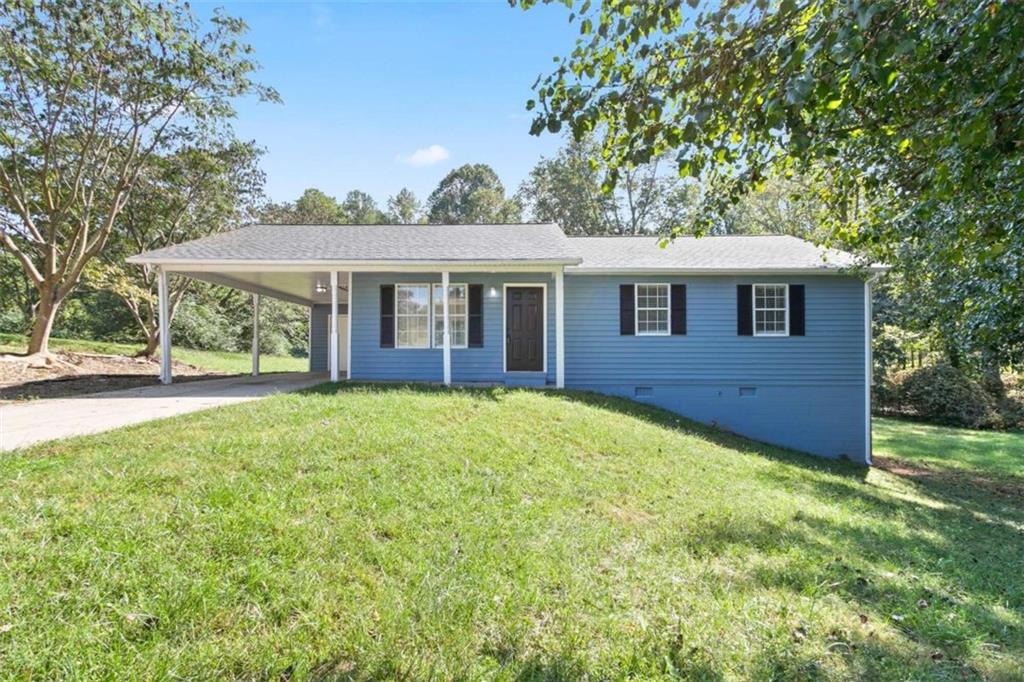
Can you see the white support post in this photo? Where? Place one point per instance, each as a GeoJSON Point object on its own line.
{"type": "Point", "coordinates": [348, 328]}
{"type": "Point", "coordinates": [447, 343]}
{"type": "Point", "coordinates": [333, 337]}
{"type": "Point", "coordinates": [255, 335]}
{"type": "Point", "coordinates": [559, 328]}
{"type": "Point", "coordinates": [165, 328]}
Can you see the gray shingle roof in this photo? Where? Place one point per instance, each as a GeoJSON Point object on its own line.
{"type": "Point", "coordinates": [731, 253]}
{"type": "Point", "coordinates": [387, 243]}
{"type": "Point", "coordinates": [527, 243]}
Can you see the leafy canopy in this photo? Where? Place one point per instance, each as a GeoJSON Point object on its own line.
{"type": "Point", "coordinates": [567, 189]}
{"type": "Point", "coordinates": [906, 116]}
{"type": "Point", "coordinates": [471, 193]}
{"type": "Point", "coordinates": [88, 91]}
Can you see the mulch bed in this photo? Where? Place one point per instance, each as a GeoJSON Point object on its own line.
{"type": "Point", "coordinates": [82, 373]}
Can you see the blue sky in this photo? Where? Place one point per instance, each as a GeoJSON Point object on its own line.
{"type": "Point", "coordinates": [368, 85]}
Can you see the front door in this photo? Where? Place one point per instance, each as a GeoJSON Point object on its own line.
{"type": "Point", "coordinates": [524, 329]}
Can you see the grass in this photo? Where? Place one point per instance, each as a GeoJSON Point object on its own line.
{"type": "Point", "coordinates": [214, 361]}
{"type": "Point", "coordinates": [372, 532]}
{"type": "Point", "coordinates": [983, 452]}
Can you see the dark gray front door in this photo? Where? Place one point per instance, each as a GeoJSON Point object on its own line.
{"type": "Point", "coordinates": [524, 329]}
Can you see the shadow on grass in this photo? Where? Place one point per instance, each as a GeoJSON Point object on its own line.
{"type": "Point", "coordinates": [967, 536]}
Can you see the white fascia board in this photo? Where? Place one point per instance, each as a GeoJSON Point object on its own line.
{"type": "Point", "coordinates": [210, 265]}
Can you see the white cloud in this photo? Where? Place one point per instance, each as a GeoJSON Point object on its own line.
{"type": "Point", "coordinates": [427, 156]}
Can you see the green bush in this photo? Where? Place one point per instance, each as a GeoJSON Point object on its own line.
{"type": "Point", "coordinates": [945, 395]}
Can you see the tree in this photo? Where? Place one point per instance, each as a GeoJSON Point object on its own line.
{"type": "Point", "coordinates": [907, 118]}
{"type": "Point", "coordinates": [471, 194]}
{"type": "Point", "coordinates": [316, 208]}
{"type": "Point", "coordinates": [359, 208]}
{"type": "Point", "coordinates": [90, 92]}
{"type": "Point", "coordinates": [404, 208]}
{"type": "Point", "coordinates": [779, 206]}
{"type": "Point", "coordinates": [192, 193]}
{"type": "Point", "coordinates": [567, 189]}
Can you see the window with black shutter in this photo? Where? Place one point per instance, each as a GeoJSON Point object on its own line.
{"type": "Point", "coordinates": [627, 310]}
{"type": "Point", "coordinates": [476, 315]}
{"type": "Point", "coordinates": [387, 316]}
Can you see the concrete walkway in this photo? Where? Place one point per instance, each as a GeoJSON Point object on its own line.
{"type": "Point", "coordinates": [36, 421]}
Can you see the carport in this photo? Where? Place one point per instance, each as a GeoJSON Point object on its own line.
{"type": "Point", "coordinates": [319, 291]}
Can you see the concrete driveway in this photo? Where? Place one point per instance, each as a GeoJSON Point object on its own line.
{"type": "Point", "coordinates": [36, 421]}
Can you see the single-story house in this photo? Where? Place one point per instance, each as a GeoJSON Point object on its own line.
{"type": "Point", "coordinates": [766, 336]}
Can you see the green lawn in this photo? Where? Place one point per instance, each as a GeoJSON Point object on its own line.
{"type": "Point", "coordinates": [382, 532]}
{"type": "Point", "coordinates": [214, 361]}
{"type": "Point", "coordinates": [983, 452]}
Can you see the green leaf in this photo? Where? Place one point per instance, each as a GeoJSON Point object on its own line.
{"type": "Point", "coordinates": [834, 104]}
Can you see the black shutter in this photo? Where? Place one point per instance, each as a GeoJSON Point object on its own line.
{"type": "Point", "coordinates": [387, 316]}
{"type": "Point", "coordinates": [627, 310]}
{"type": "Point", "coordinates": [475, 335]}
{"type": "Point", "coordinates": [796, 309]}
{"type": "Point", "coordinates": [678, 309]}
{"type": "Point", "coordinates": [744, 310]}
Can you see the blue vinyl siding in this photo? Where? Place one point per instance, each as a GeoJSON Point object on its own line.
{"type": "Point", "coordinates": [370, 361]}
{"type": "Point", "coordinates": [808, 391]}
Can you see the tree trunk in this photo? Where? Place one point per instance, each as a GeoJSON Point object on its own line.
{"type": "Point", "coordinates": [992, 373]}
{"type": "Point", "coordinates": [152, 341]}
{"type": "Point", "coordinates": [42, 325]}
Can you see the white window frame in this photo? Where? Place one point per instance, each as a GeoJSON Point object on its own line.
{"type": "Point", "coordinates": [636, 308]}
{"type": "Point", "coordinates": [430, 309]}
{"type": "Point", "coordinates": [439, 343]}
{"type": "Point", "coordinates": [753, 308]}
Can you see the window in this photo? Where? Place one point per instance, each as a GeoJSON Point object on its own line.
{"type": "Point", "coordinates": [412, 315]}
{"type": "Point", "coordinates": [458, 313]}
{"type": "Point", "coordinates": [651, 309]}
{"type": "Point", "coordinates": [771, 310]}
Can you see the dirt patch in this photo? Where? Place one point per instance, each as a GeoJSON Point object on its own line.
{"type": "Point", "coordinates": [81, 373]}
{"type": "Point", "coordinates": [1012, 486]}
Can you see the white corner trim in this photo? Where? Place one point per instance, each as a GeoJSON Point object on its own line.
{"type": "Point", "coordinates": [867, 369]}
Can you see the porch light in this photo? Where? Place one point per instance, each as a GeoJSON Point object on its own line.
{"type": "Point", "coordinates": [493, 292]}
{"type": "Point", "coordinates": [321, 288]}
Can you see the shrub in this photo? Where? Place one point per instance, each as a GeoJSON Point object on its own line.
{"type": "Point", "coordinates": [1012, 405]}
{"type": "Point", "coordinates": [945, 395]}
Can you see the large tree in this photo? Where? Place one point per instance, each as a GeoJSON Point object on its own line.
{"type": "Point", "coordinates": [89, 92]}
{"type": "Point", "coordinates": [907, 116]}
{"type": "Point", "coordinates": [360, 208]}
{"type": "Point", "coordinates": [404, 208]}
{"type": "Point", "coordinates": [191, 193]}
{"type": "Point", "coordinates": [567, 189]}
{"type": "Point", "coordinates": [471, 194]}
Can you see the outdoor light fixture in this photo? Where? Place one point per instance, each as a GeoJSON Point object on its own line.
{"type": "Point", "coordinates": [493, 292]}
{"type": "Point", "coordinates": [321, 288]}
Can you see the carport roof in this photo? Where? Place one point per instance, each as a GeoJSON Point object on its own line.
{"type": "Point", "coordinates": [399, 244]}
